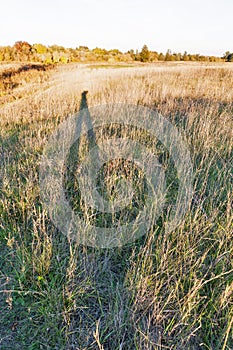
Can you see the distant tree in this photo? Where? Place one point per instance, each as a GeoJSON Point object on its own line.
{"type": "Point", "coordinates": [74, 55]}
{"type": "Point", "coordinates": [40, 53]}
{"type": "Point", "coordinates": [145, 54]}
{"type": "Point", "coordinates": [8, 53]}
{"type": "Point", "coordinates": [212, 59]}
{"type": "Point", "coordinates": [83, 48]}
{"type": "Point", "coordinates": [185, 56]}
{"type": "Point", "coordinates": [161, 57]}
{"type": "Point", "coordinates": [22, 46]}
{"type": "Point", "coordinates": [173, 57]}
{"type": "Point", "coordinates": [22, 50]}
{"type": "Point", "coordinates": [137, 56]}
{"type": "Point", "coordinates": [64, 59]}
{"type": "Point", "coordinates": [100, 54]}
{"type": "Point", "coordinates": [192, 58]}
{"type": "Point", "coordinates": [132, 54]}
{"type": "Point", "coordinates": [229, 57]}
{"type": "Point", "coordinates": [226, 54]}
{"type": "Point", "coordinates": [55, 57]}
{"type": "Point", "coordinates": [40, 49]}
{"type": "Point", "coordinates": [153, 56]}
{"type": "Point", "coordinates": [202, 58]}
{"type": "Point", "coordinates": [99, 51]}
{"type": "Point", "coordinates": [48, 58]}
{"type": "Point", "coordinates": [177, 56]}
{"type": "Point", "coordinates": [168, 56]}
{"type": "Point", "coordinates": [1, 54]}
{"type": "Point", "coordinates": [115, 52]}
{"type": "Point", "coordinates": [57, 48]}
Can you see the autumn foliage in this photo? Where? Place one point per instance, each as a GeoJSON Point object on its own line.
{"type": "Point", "coordinates": [22, 51]}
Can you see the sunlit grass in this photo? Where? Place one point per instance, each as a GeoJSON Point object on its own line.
{"type": "Point", "coordinates": [164, 291]}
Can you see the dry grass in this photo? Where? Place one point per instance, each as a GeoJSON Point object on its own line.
{"type": "Point", "coordinates": [21, 80]}
{"type": "Point", "coordinates": [161, 292]}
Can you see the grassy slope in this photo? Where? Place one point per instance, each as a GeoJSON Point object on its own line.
{"type": "Point", "coordinates": [161, 292]}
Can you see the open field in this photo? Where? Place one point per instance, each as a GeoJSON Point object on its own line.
{"type": "Point", "coordinates": [163, 291]}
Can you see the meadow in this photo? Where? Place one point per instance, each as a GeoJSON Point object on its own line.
{"type": "Point", "coordinates": [162, 291]}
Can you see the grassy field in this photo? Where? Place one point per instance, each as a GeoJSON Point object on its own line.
{"type": "Point", "coordinates": [163, 291]}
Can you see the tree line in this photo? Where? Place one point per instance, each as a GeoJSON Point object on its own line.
{"type": "Point", "coordinates": [24, 52]}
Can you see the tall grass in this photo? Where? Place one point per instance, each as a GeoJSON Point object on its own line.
{"type": "Point", "coordinates": [164, 291]}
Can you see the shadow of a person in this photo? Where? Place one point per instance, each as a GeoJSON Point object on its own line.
{"type": "Point", "coordinates": [83, 122]}
{"type": "Point", "coordinates": [105, 269]}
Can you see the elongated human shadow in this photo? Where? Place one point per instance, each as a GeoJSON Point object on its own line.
{"type": "Point", "coordinates": [85, 118]}
{"type": "Point", "coordinates": [83, 121]}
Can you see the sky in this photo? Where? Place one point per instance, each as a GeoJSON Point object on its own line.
{"type": "Point", "coordinates": [197, 26]}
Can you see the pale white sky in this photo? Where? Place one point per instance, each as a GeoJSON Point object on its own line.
{"type": "Point", "coordinates": [198, 26]}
